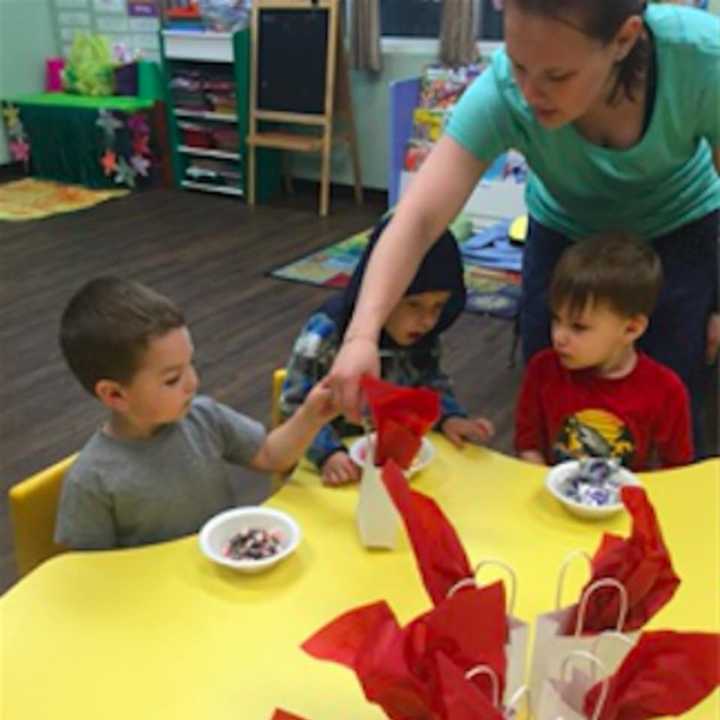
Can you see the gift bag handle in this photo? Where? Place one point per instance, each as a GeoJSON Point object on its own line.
{"type": "Point", "coordinates": [471, 581]}
{"type": "Point", "coordinates": [494, 684]}
{"type": "Point", "coordinates": [617, 635]}
{"type": "Point", "coordinates": [597, 665]}
{"type": "Point", "coordinates": [603, 582]}
{"type": "Point", "coordinates": [511, 707]}
{"type": "Point", "coordinates": [563, 571]}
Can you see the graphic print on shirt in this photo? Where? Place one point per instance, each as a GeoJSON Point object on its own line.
{"type": "Point", "coordinates": [594, 433]}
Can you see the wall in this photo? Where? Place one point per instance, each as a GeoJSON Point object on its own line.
{"type": "Point", "coordinates": [27, 37]}
{"type": "Point", "coordinates": [110, 18]}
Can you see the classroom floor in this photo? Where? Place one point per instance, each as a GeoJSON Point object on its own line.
{"type": "Point", "coordinates": [211, 254]}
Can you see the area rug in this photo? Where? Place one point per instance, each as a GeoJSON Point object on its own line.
{"type": "Point", "coordinates": [32, 199]}
{"type": "Point", "coordinates": [491, 291]}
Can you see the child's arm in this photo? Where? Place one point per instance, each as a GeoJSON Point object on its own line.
{"type": "Point", "coordinates": [309, 361]}
{"type": "Point", "coordinates": [673, 434]}
{"type": "Point", "coordinates": [326, 443]}
{"type": "Point", "coordinates": [529, 418]}
{"type": "Point", "coordinates": [532, 456]}
{"type": "Point", "coordinates": [285, 445]}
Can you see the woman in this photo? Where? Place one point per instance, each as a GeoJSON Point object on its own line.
{"type": "Point", "coordinates": [617, 110]}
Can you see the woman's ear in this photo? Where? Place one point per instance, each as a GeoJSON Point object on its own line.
{"type": "Point", "coordinates": [111, 394]}
{"type": "Point", "coordinates": [627, 36]}
{"type": "Point", "coordinates": [635, 327]}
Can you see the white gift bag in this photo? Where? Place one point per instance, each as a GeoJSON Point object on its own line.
{"type": "Point", "coordinates": [509, 709]}
{"type": "Point", "coordinates": [562, 699]}
{"type": "Point", "coordinates": [550, 647]}
{"type": "Point", "coordinates": [518, 631]}
{"type": "Point", "coordinates": [376, 516]}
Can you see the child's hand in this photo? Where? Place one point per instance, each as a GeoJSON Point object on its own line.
{"type": "Point", "coordinates": [458, 429]}
{"type": "Point", "coordinates": [319, 404]}
{"type": "Point", "coordinates": [339, 469]}
{"type": "Point", "coordinates": [532, 456]}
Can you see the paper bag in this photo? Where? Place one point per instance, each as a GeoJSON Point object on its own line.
{"type": "Point", "coordinates": [518, 631]}
{"type": "Point", "coordinates": [376, 516]}
{"type": "Point", "coordinates": [551, 646]}
{"type": "Point", "coordinates": [562, 699]}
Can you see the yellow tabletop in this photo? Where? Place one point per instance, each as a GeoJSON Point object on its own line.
{"type": "Point", "coordinates": [162, 633]}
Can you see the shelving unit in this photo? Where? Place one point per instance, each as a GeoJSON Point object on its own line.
{"type": "Point", "coordinates": [207, 84]}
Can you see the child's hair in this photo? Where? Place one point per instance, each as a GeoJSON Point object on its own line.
{"type": "Point", "coordinates": [107, 326]}
{"type": "Point", "coordinates": [600, 20]}
{"type": "Point", "coordinates": [612, 268]}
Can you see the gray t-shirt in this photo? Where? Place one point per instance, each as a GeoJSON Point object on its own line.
{"type": "Point", "coordinates": [121, 493]}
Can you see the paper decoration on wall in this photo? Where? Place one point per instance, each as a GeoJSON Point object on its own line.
{"type": "Point", "coordinates": [71, 3]}
{"type": "Point", "coordinates": [79, 19]}
{"type": "Point", "coordinates": [143, 24]}
{"type": "Point", "coordinates": [110, 6]}
{"type": "Point", "coordinates": [18, 142]}
{"type": "Point", "coordinates": [142, 8]}
{"type": "Point", "coordinates": [112, 24]}
{"type": "Point", "coordinates": [125, 167]}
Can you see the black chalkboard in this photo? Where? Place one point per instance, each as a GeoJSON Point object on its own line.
{"type": "Point", "coordinates": [292, 60]}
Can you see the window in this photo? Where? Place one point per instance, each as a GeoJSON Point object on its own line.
{"type": "Point", "coordinates": [421, 18]}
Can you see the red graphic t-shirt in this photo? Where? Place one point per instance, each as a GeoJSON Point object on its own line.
{"type": "Point", "coordinates": [567, 414]}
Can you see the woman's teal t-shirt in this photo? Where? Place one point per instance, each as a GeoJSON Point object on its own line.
{"type": "Point", "coordinates": [665, 180]}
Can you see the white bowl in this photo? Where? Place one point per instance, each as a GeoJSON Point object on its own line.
{"type": "Point", "coordinates": [358, 452]}
{"type": "Point", "coordinates": [560, 472]}
{"type": "Point", "coordinates": [218, 531]}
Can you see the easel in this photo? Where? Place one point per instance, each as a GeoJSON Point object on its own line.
{"type": "Point", "coordinates": [337, 101]}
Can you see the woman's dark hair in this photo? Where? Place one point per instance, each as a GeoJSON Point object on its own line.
{"type": "Point", "coordinates": [601, 20]}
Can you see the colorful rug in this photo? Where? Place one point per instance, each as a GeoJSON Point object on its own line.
{"type": "Point", "coordinates": [32, 199]}
{"type": "Point", "coordinates": [490, 291]}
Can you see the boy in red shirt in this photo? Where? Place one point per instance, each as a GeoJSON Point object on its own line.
{"type": "Point", "coordinates": [593, 393]}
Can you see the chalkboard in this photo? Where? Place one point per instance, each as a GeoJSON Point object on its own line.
{"type": "Point", "coordinates": [292, 60]}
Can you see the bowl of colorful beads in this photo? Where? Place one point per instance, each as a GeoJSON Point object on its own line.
{"type": "Point", "coordinates": [249, 539]}
{"type": "Point", "coordinates": [589, 488]}
{"type": "Point", "coordinates": [359, 450]}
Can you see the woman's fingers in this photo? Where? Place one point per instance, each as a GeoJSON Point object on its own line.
{"type": "Point", "coordinates": [356, 358]}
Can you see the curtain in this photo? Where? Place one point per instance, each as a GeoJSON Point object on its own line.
{"type": "Point", "coordinates": [457, 32]}
{"type": "Point", "coordinates": [365, 35]}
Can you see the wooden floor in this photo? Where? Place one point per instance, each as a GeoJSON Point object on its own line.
{"type": "Point", "coordinates": [211, 254]}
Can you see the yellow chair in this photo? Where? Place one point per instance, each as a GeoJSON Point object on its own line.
{"type": "Point", "coordinates": [518, 229]}
{"type": "Point", "coordinates": [278, 379]}
{"type": "Point", "coordinates": [33, 508]}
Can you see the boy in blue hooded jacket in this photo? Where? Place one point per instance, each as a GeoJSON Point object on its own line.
{"type": "Point", "coordinates": [410, 352]}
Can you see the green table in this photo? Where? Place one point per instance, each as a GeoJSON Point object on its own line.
{"type": "Point", "coordinates": [98, 142]}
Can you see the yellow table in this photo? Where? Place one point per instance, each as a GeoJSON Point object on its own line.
{"type": "Point", "coordinates": [161, 633]}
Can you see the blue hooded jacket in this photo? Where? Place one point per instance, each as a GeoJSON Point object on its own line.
{"type": "Point", "coordinates": [417, 365]}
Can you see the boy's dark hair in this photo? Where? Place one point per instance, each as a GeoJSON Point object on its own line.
{"type": "Point", "coordinates": [601, 20]}
{"type": "Point", "coordinates": [107, 325]}
{"type": "Point", "coordinates": [613, 268]}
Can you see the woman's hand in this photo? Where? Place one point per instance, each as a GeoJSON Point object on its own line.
{"type": "Point", "coordinates": [458, 429]}
{"type": "Point", "coordinates": [339, 469]}
{"type": "Point", "coordinates": [357, 356]}
{"type": "Point", "coordinates": [713, 338]}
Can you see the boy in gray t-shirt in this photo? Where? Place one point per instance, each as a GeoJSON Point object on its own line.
{"type": "Point", "coordinates": [156, 469]}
